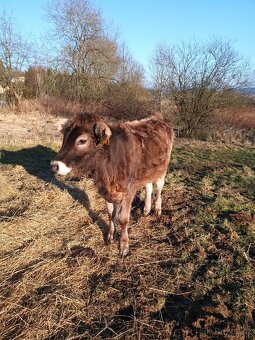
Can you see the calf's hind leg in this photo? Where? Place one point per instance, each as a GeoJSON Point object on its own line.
{"type": "Point", "coordinates": [147, 205]}
{"type": "Point", "coordinates": [158, 203]}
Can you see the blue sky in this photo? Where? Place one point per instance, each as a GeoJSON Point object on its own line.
{"type": "Point", "coordinates": [143, 24]}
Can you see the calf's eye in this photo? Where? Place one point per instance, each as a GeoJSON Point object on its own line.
{"type": "Point", "coordinates": [81, 142]}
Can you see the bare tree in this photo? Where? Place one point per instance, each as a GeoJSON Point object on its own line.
{"type": "Point", "coordinates": [85, 52]}
{"type": "Point", "coordinates": [129, 71]}
{"type": "Point", "coordinates": [13, 57]}
{"type": "Point", "coordinates": [196, 78]}
{"type": "Point", "coordinates": [89, 65]}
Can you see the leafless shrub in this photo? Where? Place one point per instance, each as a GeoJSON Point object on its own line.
{"type": "Point", "coordinates": [30, 106]}
{"type": "Point", "coordinates": [197, 79]}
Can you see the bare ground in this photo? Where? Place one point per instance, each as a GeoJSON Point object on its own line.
{"type": "Point", "coordinates": [190, 273]}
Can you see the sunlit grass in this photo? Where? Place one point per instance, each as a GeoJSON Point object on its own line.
{"type": "Point", "coordinates": [190, 270]}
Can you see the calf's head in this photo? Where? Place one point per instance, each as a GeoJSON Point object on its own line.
{"type": "Point", "coordinates": [81, 136]}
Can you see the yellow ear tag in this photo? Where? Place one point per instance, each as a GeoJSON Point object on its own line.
{"type": "Point", "coordinates": [104, 140]}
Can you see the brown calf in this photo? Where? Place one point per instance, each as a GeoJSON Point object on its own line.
{"type": "Point", "coordinates": [120, 159]}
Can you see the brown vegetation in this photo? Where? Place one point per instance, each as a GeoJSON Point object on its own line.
{"type": "Point", "coordinates": [190, 273]}
{"type": "Point", "coordinates": [242, 118]}
{"type": "Point", "coordinates": [232, 124]}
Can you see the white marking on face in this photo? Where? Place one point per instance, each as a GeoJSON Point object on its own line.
{"type": "Point", "coordinates": [62, 168]}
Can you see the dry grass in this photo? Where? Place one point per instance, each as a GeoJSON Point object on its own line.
{"type": "Point", "coordinates": [240, 117]}
{"type": "Point", "coordinates": [190, 274]}
{"type": "Point", "coordinates": [234, 125]}
{"type": "Point", "coordinates": [25, 129]}
{"type": "Point", "coordinates": [57, 106]}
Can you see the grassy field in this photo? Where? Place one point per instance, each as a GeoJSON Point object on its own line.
{"type": "Point", "coordinates": [190, 273]}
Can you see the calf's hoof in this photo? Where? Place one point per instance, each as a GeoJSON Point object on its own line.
{"type": "Point", "coordinates": [109, 238]}
{"type": "Point", "coordinates": [124, 249]}
{"type": "Point", "coordinates": [158, 212]}
{"type": "Point", "coordinates": [146, 211]}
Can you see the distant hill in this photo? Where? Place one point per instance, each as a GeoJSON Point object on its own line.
{"type": "Point", "coordinates": [249, 91]}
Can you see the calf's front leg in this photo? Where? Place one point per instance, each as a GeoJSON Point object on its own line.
{"type": "Point", "coordinates": [111, 209]}
{"type": "Point", "coordinates": [123, 219]}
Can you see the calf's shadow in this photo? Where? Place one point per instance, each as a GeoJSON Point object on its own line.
{"type": "Point", "coordinates": [36, 161]}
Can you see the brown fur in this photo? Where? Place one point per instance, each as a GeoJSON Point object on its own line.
{"type": "Point", "coordinates": [136, 153]}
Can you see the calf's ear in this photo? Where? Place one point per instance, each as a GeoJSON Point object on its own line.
{"type": "Point", "coordinates": [61, 124]}
{"type": "Point", "coordinates": [102, 133]}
